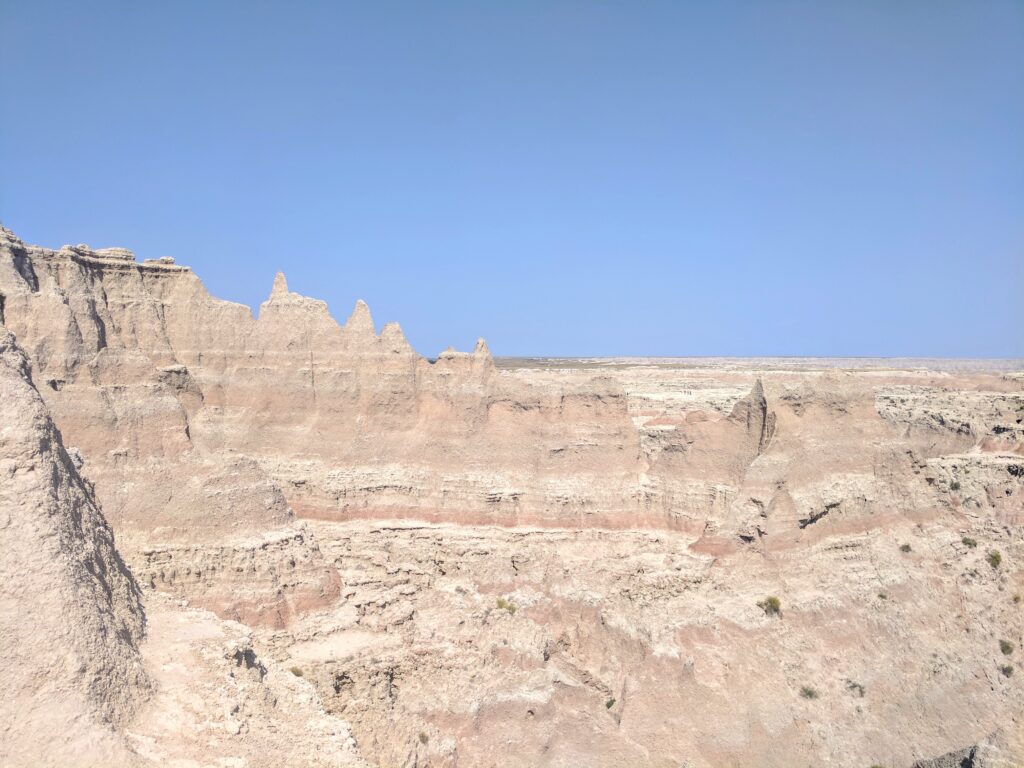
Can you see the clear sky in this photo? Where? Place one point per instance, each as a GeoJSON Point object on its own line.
{"type": "Point", "coordinates": [562, 178]}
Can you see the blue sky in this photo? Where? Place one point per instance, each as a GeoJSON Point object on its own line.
{"type": "Point", "coordinates": [562, 178]}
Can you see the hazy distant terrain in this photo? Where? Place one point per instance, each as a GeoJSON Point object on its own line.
{"type": "Point", "coordinates": [990, 365]}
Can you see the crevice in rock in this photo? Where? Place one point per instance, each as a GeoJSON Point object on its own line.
{"type": "Point", "coordinates": [23, 266]}
{"type": "Point", "coordinates": [967, 757]}
{"type": "Point", "coordinates": [816, 516]}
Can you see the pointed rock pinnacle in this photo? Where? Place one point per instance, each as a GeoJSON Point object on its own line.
{"type": "Point", "coordinates": [360, 321]}
{"type": "Point", "coordinates": [280, 286]}
{"type": "Point", "coordinates": [393, 338]}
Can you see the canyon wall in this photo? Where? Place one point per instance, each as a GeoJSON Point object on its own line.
{"type": "Point", "coordinates": [90, 677]}
{"type": "Point", "coordinates": [480, 562]}
{"type": "Point", "coordinates": [143, 367]}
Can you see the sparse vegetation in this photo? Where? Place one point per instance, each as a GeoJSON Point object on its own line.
{"type": "Point", "coordinates": [771, 606]}
{"type": "Point", "coordinates": [808, 693]}
{"type": "Point", "coordinates": [994, 558]}
{"type": "Point", "coordinates": [423, 737]}
{"type": "Point", "coordinates": [904, 548]}
{"type": "Point", "coordinates": [609, 704]}
{"type": "Point", "coordinates": [1007, 670]}
{"type": "Point", "coordinates": [1006, 647]}
{"type": "Point", "coordinates": [969, 542]}
{"type": "Point", "coordinates": [297, 671]}
{"type": "Point", "coordinates": [507, 605]}
{"type": "Point", "coordinates": [856, 689]}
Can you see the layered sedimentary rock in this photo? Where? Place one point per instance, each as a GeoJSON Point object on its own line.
{"type": "Point", "coordinates": [70, 615]}
{"type": "Point", "coordinates": [216, 701]}
{"type": "Point", "coordinates": [538, 647]}
{"type": "Point", "coordinates": [89, 677]}
{"type": "Point", "coordinates": [144, 366]}
{"type": "Point", "coordinates": [108, 355]}
{"type": "Point", "coordinates": [544, 562]}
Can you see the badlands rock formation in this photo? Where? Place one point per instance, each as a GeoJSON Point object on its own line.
{"type": "Point", "coordinates": [468, 562]}
{"type": "Point", "coordinates": [70, 614]}
{"type": "Point", "coordinates": [89, 677]}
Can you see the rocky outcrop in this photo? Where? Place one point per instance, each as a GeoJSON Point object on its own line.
{"type": "Point", "coordinates": [480, 562]}
{"type": "Point", "coordinates": [87, 679]}
{"type": "Point", "coordinates": [147, 367]}
{"type": "Point", "coordinates": [532, 647]}
{"type": "Point", "coordinates": [218, 701]}
{"type": "Point", "coordinates": [121, 376]}
{"type": "Point", "coordinates": [71, 619]}
{"type": "Point", "coordinates": [753, 412]}
{"type": "Point", "coordinates": [264, 579]}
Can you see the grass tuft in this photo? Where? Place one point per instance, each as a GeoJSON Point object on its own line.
{"type": "Point", "coordinates": [771, 606]}
{"type": "Point", "coordinates": [506, 605]}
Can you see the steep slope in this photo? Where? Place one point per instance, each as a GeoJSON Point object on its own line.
{"type": "Point", "coordinates": [70, 614]}
{"type": "Point", "coordinates": [101, 345]}
{"type": "Point", "coordinates": [82, 686]}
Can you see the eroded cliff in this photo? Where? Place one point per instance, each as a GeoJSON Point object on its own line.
{"type": "Point", "coordinates": [547, 562]}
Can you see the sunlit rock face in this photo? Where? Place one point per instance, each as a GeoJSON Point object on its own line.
{"type": "Point", "coordinates": [483, 562]}
{"type": "Point", "coordinates": [71, 618]}
{"type": "Point", "coordinates": [351, 423]}
{"type": "Point", "coordinates": [92, 677]}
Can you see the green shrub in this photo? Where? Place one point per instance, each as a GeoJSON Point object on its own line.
{"type": "Point", "coordinates": [1007, 670]}
{"type": "Point", "coordinates": [1016, 598]}
{"type": "Point", "coordinates": [507, 605]}
{"type": "Point", "coordinates": [1006, 647]}
{"type": "Point", "coordinates": [955, 485]}
{"type": "Point", "coordinates": [883, 596]}
{"type": "Point", "coordinates": [297, 671]}
{"type": "Point", "coordinates": [994, 558]}
{"type": "Point", "coordinates": [771, 606]}
{"type": "Point", "coordinates": [808, 693]}
{"type": "Point", "coordinates": [423, 737]}
{"type": "Point", "coordinates": [904, 548]}
{"type": "Point", "coordinates": [609, 704]}
{"type": "Point", "coordinates": [969, 542]}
